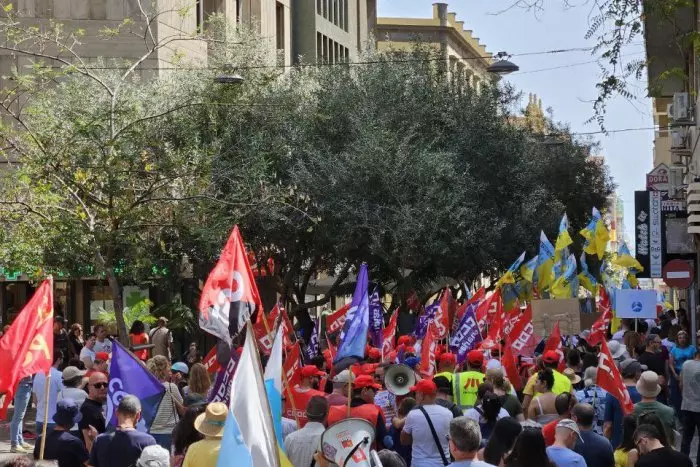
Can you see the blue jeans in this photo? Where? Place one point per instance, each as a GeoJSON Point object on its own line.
{"type": "Point", "coordinates": [40, 426]}
{"type": "Point", "coordinates": [163, 440]}
{"type": "Point", "coordinates": [22, 396]}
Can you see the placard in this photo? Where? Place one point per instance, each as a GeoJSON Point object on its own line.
{"type": "Point", "coordinates": [633, 303]}
{"type": "Point", "coordinates": [545, 313]}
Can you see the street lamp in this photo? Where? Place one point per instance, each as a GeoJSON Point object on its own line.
{"type": "Point", "coordinates": [234, 78]}
{"type": "Point", "coordinates": [502, 67]}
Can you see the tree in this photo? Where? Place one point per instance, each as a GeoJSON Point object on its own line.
{"type": "Point", "coordinates": [108, 169]}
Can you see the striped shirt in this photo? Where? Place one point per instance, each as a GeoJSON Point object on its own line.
{"type": "Point", "coordinates": [166, 417]}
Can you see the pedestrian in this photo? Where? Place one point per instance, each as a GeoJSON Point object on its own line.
{"type": "Point", "coordinates": [87, 353]}
{"type": "Point", "coordinates": [652, 453]}
{"type": "Point", "coordinates": [630, 370]}
{"type": "Point", "coordinates": [447, 365]}
{"type": "Point", "coordinates": [550, 361]}
{"type": "Point", "coordinates": [648, 387]}
{"type": "Point", "coordinates": [594, 448]}
{"type": "Point", "coordinates": [193, 355]}
{"type": "Point", "coordinates": [205, 453]}
{"type": "Point", "coordinates": [93, 420]}
{"type": "Point", "coordinates": [626, 453]}
{"type": "Point", "coordinates": [690, 406]}
{"type": "Point", "coordinates": [529, 450]}
{"type": "Point", "coordinates": [304, 391]}
{"type": "Point", "coordinates": [561, 452]}
{"type": "Point", "coordinates": [427, 427]}
{"type": "Point", "coordinates": [467, 382]}
{"type": "Point", "coordinates": [503, 389]}
{"type": "Point", "coordinates": [123, 447]}
{"type": "Point", "coordinates": [179, 372]}
{"type": "Point", "coordinates": [397, 424]}
{"type": "Point", "coordinates": [21, 401]}
{"type": "Point", "coordinates": [362, 406]}
{"type": "Point", "coordinates": [464, 442]}
{"type": "Point", "coordinates": [162, 339]}
{"type": "Point", "coordinates": [100, 364]}
{"type": "Point", "coordinates": [302, 444]}
{"type": "Point", "coordinates": [542, 408]}
{"type": "Point", "coordinates": [39, 394]}
{"type": "Point", "coordinates": [487, 411]}
{"type": "Point", "coordinates": [154, 456]}
{"type": "Point", "coordinates": [391, 459]}
{"type": "Point", "coordinates": [75, 337]}
{"type": "Point", "coordinates": [339, 396]}
{"type": "Point", "coordinates": [185, 434]}
{"type": "Point", "coordinates": [102, 344]}
{"type": "Point", "coordinates": [654, 360]}
{"type": "Point", "coordinates": [60, 336]}
{"type": "Point", "coordinates": [198, 385]}
{"type": "Point", "coordinates": [563, 405]}
{"type": "Point", "coordinates": [138, 336]}
{"type": "Point", "coordinates": [595, 396]}
{"type": "Point", "coordinates": [170, 408]}
{"type": "Point", "coordinates": [73, 382]}
{"type": "Point", "coordinates": [444, 395]}
{"type": "Point", "coordinates": [61, 445]}
{"type": "Point", "coordinates": [501, 441]}
{"type": "Point", "coordinates": [679, 354]}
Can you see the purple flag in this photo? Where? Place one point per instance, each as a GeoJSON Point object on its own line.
{"type": "Point", "coordinates": [425, 319]}
{"type": "Point", "coordinates": [376, 319]}
{"type": "Point", "coordinates": [354, 336]}
{"type": "Point", "coordinates": [221, 390]}
{"type": "Point", "coordinates": [467, 335]}
{"type": "Point", "coordinates": [312, 346]}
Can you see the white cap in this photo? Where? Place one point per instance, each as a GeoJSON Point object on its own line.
{"type": "Point", "coordinates": [342, 377]}
{"type": "Point", "coordinates": [493, 364]}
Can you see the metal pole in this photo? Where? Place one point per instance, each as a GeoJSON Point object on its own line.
{"type": "Point", "coordinates": [693, 322]}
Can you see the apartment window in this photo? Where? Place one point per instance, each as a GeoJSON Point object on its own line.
{"type": "Point", "coordinates": [335, 13]}
{"type": "Point", "coordinates": [325, 8]}
{"type": "Point", "coordinates": [345, 14]}
{"type": "Point", "coordinates": [326, 43]}
{"type": "Point", "coordinates": [279, 32]}
{"type": "Point", "coordinates": [319, 46]}
{"type": "Point", "coordinates": [319, 7]}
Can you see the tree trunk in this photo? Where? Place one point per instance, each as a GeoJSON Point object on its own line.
{"type": "Point", "coordinates": [117, 292]}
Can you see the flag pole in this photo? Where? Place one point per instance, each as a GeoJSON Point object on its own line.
{"type": "Point", "coordinates": [46, 415]}
{"type": "Point", "coordinates": [350, 391]}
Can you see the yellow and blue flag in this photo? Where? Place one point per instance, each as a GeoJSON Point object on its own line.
{"type": "Point", "coordinates": [563, 239]}
{"type": "Point", "coordinates": [566, 285]}
{"type": "Point", "coordinates": [625, 259]}
{"type": "Point", "coordinates": [596, 235]}
{"type": "Point", "coordinates": [545, 263]}
{"type": "Point", "coordinates": [509, 276]}
{"type": "Point", "coordinates": [586, 279]}
{"type": "Point", "coordinates": [529, 270]}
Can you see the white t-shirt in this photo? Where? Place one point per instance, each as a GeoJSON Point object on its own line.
{"type": "Point", "coordinates": [39, 390]}
{"type": "Point", "coordinates": [85, 352]}
{"type": "Point", "coordinates": [474, 415]}
{"type": "Point", "coordinates": [425, 451]}
{"type": "Point", "coordinates": [77, 394]}
{"type": "Point", "coordinates": [105, 346]}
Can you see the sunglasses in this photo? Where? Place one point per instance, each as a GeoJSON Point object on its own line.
{"type": "Point", "coordinates": [100, 385]}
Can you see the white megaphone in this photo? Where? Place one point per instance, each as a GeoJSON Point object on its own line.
{"type": "Point", "coordinates": [347, 443]}
{"type": "Point", "coordinates": [399, 378]}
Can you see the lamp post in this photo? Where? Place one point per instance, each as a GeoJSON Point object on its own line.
{"type": "Point", "coordinates": [502, 67]}
{"type": "Point", "coordinates": [233, 78]}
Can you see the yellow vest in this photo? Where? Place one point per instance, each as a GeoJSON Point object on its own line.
{"type": "Point", "coordinates": [562, 384]}
{"type": "Point", "coordinates": [466, 385]}
{"type": "Point", "coordinates": [446, 374]}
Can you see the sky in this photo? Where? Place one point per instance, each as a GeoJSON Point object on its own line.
{"type": "Point", "coordinates": [568, 91]}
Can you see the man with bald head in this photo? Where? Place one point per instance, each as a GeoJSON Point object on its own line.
{"type": "Point", "coordinates": [93, 421]}
{"type": "Point", "coordinates": [594, 448]}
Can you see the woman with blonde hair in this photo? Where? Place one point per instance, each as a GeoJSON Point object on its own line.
{"type": "Point", "coordinates": [198, 385]}
{"type": "Point", "coordinates": [503, 389]}
{"type": "Point", "coordinates": [171, 406]}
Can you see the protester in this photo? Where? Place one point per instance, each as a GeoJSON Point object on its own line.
{"type": "Point", "coordinates": [550, 360]}
{"type": "Point", "coordinates": [464, 441]}
{"type": "Point", "coordinates": [170, 408]}
{"type": "Point", "coordinates": [594, 448]}
{"type": "Point", "coordinates": [60, 336]}
{"type": "Point", "coordinates": [563, 405]}
{"type": "Point", "coordinates": [93, 421]}
{"type": "Point", "coordinates": [75, 338]}
{"type": "Point", "coordinates": [184, 434]}
{"type": "Point", "coordinates": [648, 387]}
{"type": "Point", "coordinates": [302, 444]}
{"type": "Point", "coordinates": [467, 382]}
{"type": "Point", "coordinates": [154, 456]}
{"type": "Point", "coordinates": [444, 395]}
{"type": "Point", "coordinates": [391, 459]}
{"type": "Point", "coordinates": [427, 450]}
{"type": "Point", "coordinates": [529, 450]}
{"type": "Point", "coordinates": [561, 452]}
{"type": "Point", "coordinates": [542, 408]}
{"type": "Point", "coordinates": [618, 351]}
{"type": "Point", "coordinates": [138, 336]}
{"type": "Point", "coordinates": [576, 381]}
{"type": "Point", "coordinates": [193, 355]}
{"type": "Point", "coordinates": [162, 339]}
{"type": "Point", "coordinates": [61, 445]}
{"type": "Point", "coordinates": [362, 406]}
{"type": "Point", "coordinates": [87, 353]}
{"type": "Point", "coordinates": [22, 396]}
{"type": "Point", "coordinates": [690, 406]}
{"type": "Point", "coordinates": [179, 372]}
{"type": "Point", "coordinates": [100, 364]}
{"type": "Point", "coordinates": [397, 424]}
{"type": "Point", "coordinates": [501, 441]}
{"type": "Point", "coordinates": [205, 453]}
{"type": "Point", "coordinates": [339, 396]}
{"type": "Point", "coordinates": [123, 447]}
{"type": "Point", "coordinates": [626, 453]}
{"type": "Point", "coordinates": [39, 394]}
{"type": "Point", "coordinates": [487, 411]}
{"type": "Point", "coordinates": [679, 354]}
{"type": "Point", "coordinates": [503, 389]}
{"type": "Point", "coordinates": [630, 370]}
{"type": "Point", "coordinates": [447, 364]}
{"type": "Point", "coordinates": [304, 391]}
{"type": "Point", "coordinates": [652, 453]}
{"type": "Point", "coordinates": [198, 386]}
{"type": "Point", "coordinates": [102, 344]}
{"type": "Point", "coordinates": [595, 396]}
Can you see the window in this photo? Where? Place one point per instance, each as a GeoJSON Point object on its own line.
{"type": "Point", "coordinates": [335, 13]}
{"type": "Point", "coordinates": [279, 32]}
{"type": "Point", "coordinates": [319, 46]}
{"type": "Point", "coordinates": [345, 15]}
{"type": "Point", "coordinates": [319, 7]}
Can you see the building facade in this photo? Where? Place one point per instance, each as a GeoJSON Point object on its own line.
{"type": "Point", "coordinates": [465, 57]}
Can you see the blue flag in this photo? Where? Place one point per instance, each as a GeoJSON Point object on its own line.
{"type": "Point", "coordinates": [127, 375]}
{"type": "Point", "coordinates": [353, 338]}
{"type": "Point", "coordinates": [312, 345]}
{"type": "Point", "coordinates": [467, 335]}
{"type": "Point", "coordinates": [425, 319]}
{"type": "Point", "coordinates": [376, 319]}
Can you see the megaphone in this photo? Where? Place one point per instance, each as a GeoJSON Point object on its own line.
{"type": "Point", "coordinates": [399, 378]}
{"type": "Point", "coordinates": [348, 442]}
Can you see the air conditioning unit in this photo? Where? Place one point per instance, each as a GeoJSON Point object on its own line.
{"type": "Point", "coordinates": [680, 110]}
{"type": "Point", "coordinates": [675, 182]}
{"type": "Point", "coordinates": [679, 139]}
{"type": "Point", "coordinates": [679, 158]}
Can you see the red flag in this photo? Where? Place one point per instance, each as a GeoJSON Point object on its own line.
{"type": "Point", "coordinates": [489, 309]}
{"type": "Point", "coordinates": [554, 343]}
{"type": "Point", "coordinates": [511, 367]}
{"type": "Point", "coordinates": [609, 378]}
{"type": "Point", "coordinates": [522, 335]}
{"type": "Point", "coordinates": [442, 315]}
{"type": "Point", "coordinates": [264, 330]}
{"type": "Point", "coordinates": [389, 336]}
{"type": "Point", "coordinates": [427, 357]}
{"type": "Point", "coordinates": [210, 362]}
{"type": "Point", "coordinates": [230, 296]}
{"type": "Point", "coordinates": [331, 348]}
{"type": "Point", "coordinates": [600, 327]}
{"type": "Point", "coordinates": [27, 347]}
{"type": "Point", "coordinates": [336, 320]}
{"type": "Point", "coordinates": [476, 298]}
{"type": "Point", "coordinates": [412, 301]}
{"type": "Point", "coordinates": [292, 365]}
{"type": "Point", "coordinates": [288, 329]}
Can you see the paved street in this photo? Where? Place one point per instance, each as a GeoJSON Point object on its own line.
{"type": "Point", "coordinates": [5, 453]}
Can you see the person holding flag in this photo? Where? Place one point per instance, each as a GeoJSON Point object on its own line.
{"type": "Point", "coordinates": [467, 382]}
{"type": "Point", "coordinates": [303, 392]}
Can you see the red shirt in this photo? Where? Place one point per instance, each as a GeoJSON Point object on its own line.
{"type": "Point", "coordinates": [140, 339]}
{"type": "Point", "coordinates": [548, 431]}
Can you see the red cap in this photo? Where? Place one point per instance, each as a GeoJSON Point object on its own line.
{"type": "Point", "coordinates": [448, 358]}
{"type": "Point", "coordinates": [426, 386]}
{"type": "Point", "coordinates": [392, 355]}
{"type": "Point", "coordinates": [103, 356]}
{"type": "Point", "coordinates": [368, 368]}
{"type": "Point", "coordinates": [404, 340]}
{"type": "Point", "coordinates": [374, 353]}
{"type": "Point", "coordinates": [365, 381]}
{"type": "Point", "coordinates": [309, 370]}
{"type": "Point", "coordinates": [550, 356]}
{"type": "Point", "coordinates": [475, 357]}
{"type": "Point", "coordinates": [239, 351]}
{"type": "Point", "coordinates": [409, 350]}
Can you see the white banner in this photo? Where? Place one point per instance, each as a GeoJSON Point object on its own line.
{"type": "Point", "coordinates": [633, 303]}
{"type": "Point", "coordinates": [655, 247]}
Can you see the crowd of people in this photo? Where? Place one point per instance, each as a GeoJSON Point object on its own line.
{"type": "Point", "coordinates": [464, 415]}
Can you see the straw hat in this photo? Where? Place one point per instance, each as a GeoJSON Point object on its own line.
{"type": "Point", "coordinates": [211, 422]}
{"type": "Point", "coordinates": [648, 384]}
{"type": "Point", "coordinates": [573, 377]}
